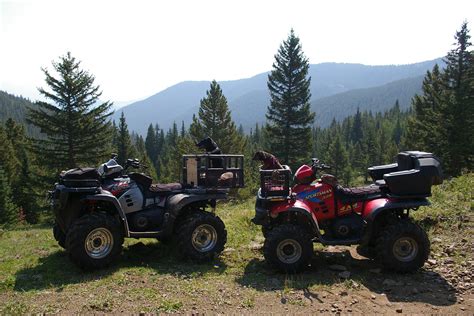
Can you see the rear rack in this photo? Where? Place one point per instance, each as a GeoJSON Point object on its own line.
{"type": "Point", "coordinates": [213, 171]}
{"type": "Point", "coordinates": [275, 183]}
{"type": "Point", "coordinates": [80, 183]}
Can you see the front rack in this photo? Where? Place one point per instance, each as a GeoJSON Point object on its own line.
{"type": "Point", "coordinates": [275, 182]}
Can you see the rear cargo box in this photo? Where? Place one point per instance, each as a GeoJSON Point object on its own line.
{"type": "Point", "coordinates": [377, 172]}
{"type": "Point", "coordinates": [418, 171]}
{"type": "Point", "coordinates": [213, 171]}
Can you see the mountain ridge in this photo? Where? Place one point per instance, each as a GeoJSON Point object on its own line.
{"type": "Point", "coordinates": [248, 98]}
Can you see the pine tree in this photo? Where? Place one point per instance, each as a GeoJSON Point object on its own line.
{"type": "Point", "coordinates": [75, 124]}
{"type": "Point", "coordinates": [357, 131]}
{"type": "Point", "coordinates": [125, 148]}
{"type": "Point", "coordinates": [214, 120]}
{"type": "Point", "coordinates": [339, 160]}
{"type": "Point", "coordinates": [289, 118]}
{"type": "Point", "coordinates": [8, 210]}
{"type": "Point", "coordinates": [151, 144]}
{"type": "Point", "coordinates": [459, 112]}
{"type": "Point", "coordinates": [444, 113]}
{"type": "Point", "coordinates": [426, 129]}
{"type": "Point", "coordinates": [8, 158]}
{"type": "Point", "coordinates": [24, 184]}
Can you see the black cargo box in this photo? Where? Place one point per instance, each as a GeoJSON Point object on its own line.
{"type": "Point", "coordinates": [413, 174]}
{"type": "Point", "coordinates": [377, 172]}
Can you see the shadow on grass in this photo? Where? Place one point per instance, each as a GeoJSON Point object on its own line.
{"type": "Point", "coordinates": [56, 270]}
{"type": "Point", "coordinates": [422, 286]}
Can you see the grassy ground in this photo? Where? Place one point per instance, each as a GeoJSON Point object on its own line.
{"type": "Point", "coordinates": [36, 275]}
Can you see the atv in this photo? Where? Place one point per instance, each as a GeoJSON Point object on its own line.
{"type": "Point", "coordinates": [95, 209]}
{"type": "Point", "coordinates": [374, 217]}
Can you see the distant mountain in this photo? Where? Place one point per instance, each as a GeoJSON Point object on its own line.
{"type": "Point", "coordinates": [248, 98]}
{"type": "Point", "coordinates": [376, 99]}
{"type": "Point", "coordinates": [15, 107]}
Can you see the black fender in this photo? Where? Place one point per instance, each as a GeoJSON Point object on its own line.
{"type": "Point", "coordinates": [176, 204]}
{"type": "Point", "coordinates": [109, 198]}
{"type": "Point", "coordinates": [371, 215]}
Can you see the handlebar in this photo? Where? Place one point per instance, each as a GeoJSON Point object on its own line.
{"type": "Point", "coordinates": [318, 165]}
{"type": "Point", "coordinates": [134, 163]}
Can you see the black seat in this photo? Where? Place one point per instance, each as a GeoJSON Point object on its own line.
{"type": "Point", "coordinates": [358, 193]}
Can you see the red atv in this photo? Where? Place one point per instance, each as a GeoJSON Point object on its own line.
{"type": "Point", "coordinates": [375, 217]}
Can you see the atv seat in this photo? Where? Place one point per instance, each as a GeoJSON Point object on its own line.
{"type": "Point", "coordinates": [358, 193]}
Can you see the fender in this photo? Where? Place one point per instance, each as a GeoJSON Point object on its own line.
{"type": "Point", "coordinates": [176, 203]}
{"type": "Point", "coordinates": [298, 207]}
{"type": "Point", "coordinates": [376, 207]}
{"type": "Point", "coordinates": [107, 197]}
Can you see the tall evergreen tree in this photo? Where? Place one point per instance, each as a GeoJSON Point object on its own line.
{"type": "Point", "coordinates": [357, 131]}
{"type": "Point", "coordinates": [459, 112]}
{"type": "Point", "coordinates": [289, 118]}
{"type": "Point", "coordinates": [339, 160]}
{"type": "Point", "coordinates": [214, 120]}
{"type": "Point", "coordinates": [426, 129]}
{"type": "Point", "coordinates": [151, 144]}
{"type": "Point", "coordinates": [76, 126]}
{"type": "Point", "coordinates": [125, 148]}
{"type": "Point", "coordinates": [24, 185]}
{"type": "Point", "coordinates": [444, 113]}
{"type": "Point", "coordinates": [8, 210]}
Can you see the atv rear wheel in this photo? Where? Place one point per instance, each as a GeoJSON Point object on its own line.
{"type": "Point", "coordinates": [94, 240]}
{"type": "Point", "coordinates": [201, 236]}
{"type": "Point", "coordinates": [59, 235]}
{"type": "Point", "coordinates": [403, 247]}
{"type": "Point", "coordinates": [288, 248]}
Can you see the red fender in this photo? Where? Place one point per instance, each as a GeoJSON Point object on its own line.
{"type": "Point", "coordinates": [373, 205]}
{"type": "Point", "coordinates": [294, 206]}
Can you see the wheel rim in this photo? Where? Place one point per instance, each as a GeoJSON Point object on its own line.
{"type": "Point", "coordinates": [405, 249]}
{"type": "Point", "coordinates": [289, 251]}
{"type": "Point", "coordinates": [204, 238]}
{"type": "Point", "coordinates": [99, 243]}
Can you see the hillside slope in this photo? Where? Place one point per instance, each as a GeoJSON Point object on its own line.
{"type": "Point", "coordinates": [377, 99]}
{"type": "Point", "coordinates": [16, 108]}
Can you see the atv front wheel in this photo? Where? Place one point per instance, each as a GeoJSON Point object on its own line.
{"type": "Point", "coordinates": [201, 236]}
{"type": "Point", "coordinates": [288, 248]}
{"type": "Point", "coordinates": [403, 247]}
{"type": "Point", "coordinates": [59, 235]}
{"type": "Point", "coordinates": [94, 240]}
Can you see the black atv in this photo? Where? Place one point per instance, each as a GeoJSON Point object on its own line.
{"type": "Point", "coordinates": [96, 209]}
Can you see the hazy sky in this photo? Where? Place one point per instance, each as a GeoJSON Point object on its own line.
{"type": "Point", "coordinates": [138, 48]}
